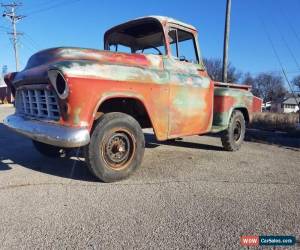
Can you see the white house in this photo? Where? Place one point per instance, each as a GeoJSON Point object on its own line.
{"type": "Point", "coordinates": [287, 105]}
{"type": "Point", "coordinates": [266, 106]}
{"type": "Point", "coordinates": [2, 83]}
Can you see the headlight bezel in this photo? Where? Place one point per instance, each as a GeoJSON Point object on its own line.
{"type": "Point", "coordinates": [59, 83]}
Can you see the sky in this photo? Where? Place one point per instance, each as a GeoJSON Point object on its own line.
{"type": "Point", "coordinates": [82, 23]}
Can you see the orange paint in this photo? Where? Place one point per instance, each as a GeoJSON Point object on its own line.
{"type": "Point", "coordinates": [223, 103]}
{"type": "Point", "coordinates": [179, 97]}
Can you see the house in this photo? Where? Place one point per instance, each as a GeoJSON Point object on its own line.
{"type": "Point", "coordinates": [287, 105]}
{"type": "Point", "coordinates": [266, 106]}
{"type": "Point", "coordinates": [4, 91]}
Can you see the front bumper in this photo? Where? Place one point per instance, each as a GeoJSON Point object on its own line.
{"type": "Point", "coordinates": [48, 133]}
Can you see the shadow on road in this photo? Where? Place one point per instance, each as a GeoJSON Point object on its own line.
{"type": "Point", "coordinates": [18, 151]}
{"type": "Point", "coordinates": [151, 142]}
{"type": "Point", "coordinates": [284, 140]}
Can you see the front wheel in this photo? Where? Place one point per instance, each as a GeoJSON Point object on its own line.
{"type": "Point", "coordinates": [116, 148]}
{"type": "Point", "coordinates": [233, 137]}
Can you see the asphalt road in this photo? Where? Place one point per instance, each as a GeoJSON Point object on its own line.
{"type": "Point", "coordinates": [188, 194]}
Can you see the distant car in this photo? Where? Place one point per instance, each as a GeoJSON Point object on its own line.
{"type": "Point", "coordinates": [149, 75]}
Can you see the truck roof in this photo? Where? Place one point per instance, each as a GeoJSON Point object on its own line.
{"type": "Point", "coordinates": [162, 20]}
{"type": "Point", "coordinates": [171, 20]}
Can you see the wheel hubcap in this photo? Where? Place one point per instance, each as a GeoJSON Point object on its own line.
{"type": "Point", "coordinates": [118, 149]}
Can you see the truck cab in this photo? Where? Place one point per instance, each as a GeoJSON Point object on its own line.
{"type": "Point", "coordinates": [187, 96]}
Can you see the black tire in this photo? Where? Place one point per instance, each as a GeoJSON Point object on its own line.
{"type": "Point", "coordinates": [233, 137]}
{"type": "Point", "coordinates": [49, 150]}
{"type": "Point", "coordinates": [116, 148]}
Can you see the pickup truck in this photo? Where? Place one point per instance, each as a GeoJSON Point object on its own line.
{"type": "Point", "coordinates": [149, 75]}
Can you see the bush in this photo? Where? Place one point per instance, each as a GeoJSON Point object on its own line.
{"type": "Point", "coordinates": [275, 121]}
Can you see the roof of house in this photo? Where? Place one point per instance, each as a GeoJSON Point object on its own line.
{"type": "Point", "coordinates": [292, 100]}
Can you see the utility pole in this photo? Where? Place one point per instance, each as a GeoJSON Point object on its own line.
{"type": "Point", "coordinates": [10, 13]}
{"type": "Point", "coordinates": [226, 40]}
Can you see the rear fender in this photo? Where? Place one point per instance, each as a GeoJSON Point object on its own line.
{"type": "Point", "coordinates": [221, 120]}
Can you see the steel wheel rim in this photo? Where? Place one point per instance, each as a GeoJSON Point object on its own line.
{"type": "Point", "coordinates": [118, 149]}
{"type": "Point", "coordinates": [237, 131]}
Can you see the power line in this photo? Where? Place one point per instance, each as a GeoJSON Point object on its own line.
{"type": "Point", "coordinates": [295, 33]}
{"type": "Point", "coordinates": [287, 45]}
{"type": "Point", "coordinates": [42, 5]}
{"type": "Point", "coordinates": [278, 59]}
{"type": "Point", "coordinates": [292, 72]}
{"type": "Point", "coordinates": [64, 3]}
{"type": "Point", "coordinates": [10, 13]}
{"type": "Point", "coordinates": [28, 47]}
{"type": "Point", "coordinates": [32, 42]}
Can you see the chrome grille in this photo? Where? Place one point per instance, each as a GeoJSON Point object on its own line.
{"type": "Point", "coordinates": [40, 103]}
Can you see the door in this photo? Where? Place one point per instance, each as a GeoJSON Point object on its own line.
{"type": "Point", "coordinates": [191, 90]}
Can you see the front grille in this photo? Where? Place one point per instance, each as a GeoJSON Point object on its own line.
{"type": "Point", "coordinates": [39, 103]}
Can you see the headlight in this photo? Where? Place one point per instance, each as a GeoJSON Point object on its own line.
{"type": "Point", "coordinates": [59, 83]}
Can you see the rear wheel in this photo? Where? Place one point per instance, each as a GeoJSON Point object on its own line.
{"type": "Point", "coordinates": [49, 150]}
{"type": "Point", "coordinates": [116, 148]}
{"type": "Point", "coordinates": [233, 137]}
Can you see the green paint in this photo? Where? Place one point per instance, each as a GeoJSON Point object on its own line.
{"type": "Point", "coordinates": [113, 72]}
{"type": "Point", "coordinates": [221, 119]}
{"type": "Point", "coordinates": [243, 99]}
{"type": "Point", "coordinates": [76, 119]}
{"type": "Point", "coordinates": [182, 101]}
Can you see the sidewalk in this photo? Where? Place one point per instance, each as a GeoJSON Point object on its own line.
{"type": "Point", "coordinates": [6, 105]}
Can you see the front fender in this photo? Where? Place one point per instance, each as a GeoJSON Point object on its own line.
{"type": "Point", "coordinates": [116, 94]}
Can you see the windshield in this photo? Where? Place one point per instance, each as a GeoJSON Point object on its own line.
{"type": "Point", "coordinates": [141, 37]}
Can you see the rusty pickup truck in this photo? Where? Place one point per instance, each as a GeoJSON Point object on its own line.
{"type": "Point", "coordinates": [149, 75]}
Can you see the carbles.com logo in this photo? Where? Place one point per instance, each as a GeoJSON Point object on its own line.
{"type": "Point", "coordinates": [252, 241]}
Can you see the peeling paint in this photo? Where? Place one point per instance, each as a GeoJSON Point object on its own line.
{"type": "Point", "coordinates": [179, 97]}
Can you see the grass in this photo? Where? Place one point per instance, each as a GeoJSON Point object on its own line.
{"type": "Point", "coordinates": [275, 121]}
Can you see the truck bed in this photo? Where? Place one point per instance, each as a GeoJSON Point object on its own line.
{"type": "Point", "coordinates": [229, 97]}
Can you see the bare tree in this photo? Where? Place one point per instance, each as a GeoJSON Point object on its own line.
{"type": "Point", "coordinates": [269, 86]}
{"type": "Point", "coordinates": [214, 68]}
{"type": "Point", "coordinates": [296, 82]}
{"type": "Point", "coordinates": [248, 79]}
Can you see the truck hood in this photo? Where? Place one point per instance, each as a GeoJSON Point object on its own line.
{"type": "Point", "coordinates": [39, 63]}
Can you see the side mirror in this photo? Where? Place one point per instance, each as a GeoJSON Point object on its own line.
{"type": "Point", "coordinates": [183, 59]}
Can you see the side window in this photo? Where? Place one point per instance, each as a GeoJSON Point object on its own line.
{"type": "Point", "coordinates": [119, 48]}
{"type": "Point", "coordinates": [183, 46]}
{"type": "Point", "coordinates": [173, 42]}
{"type": "Point", "coordinates": [160, 50]}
